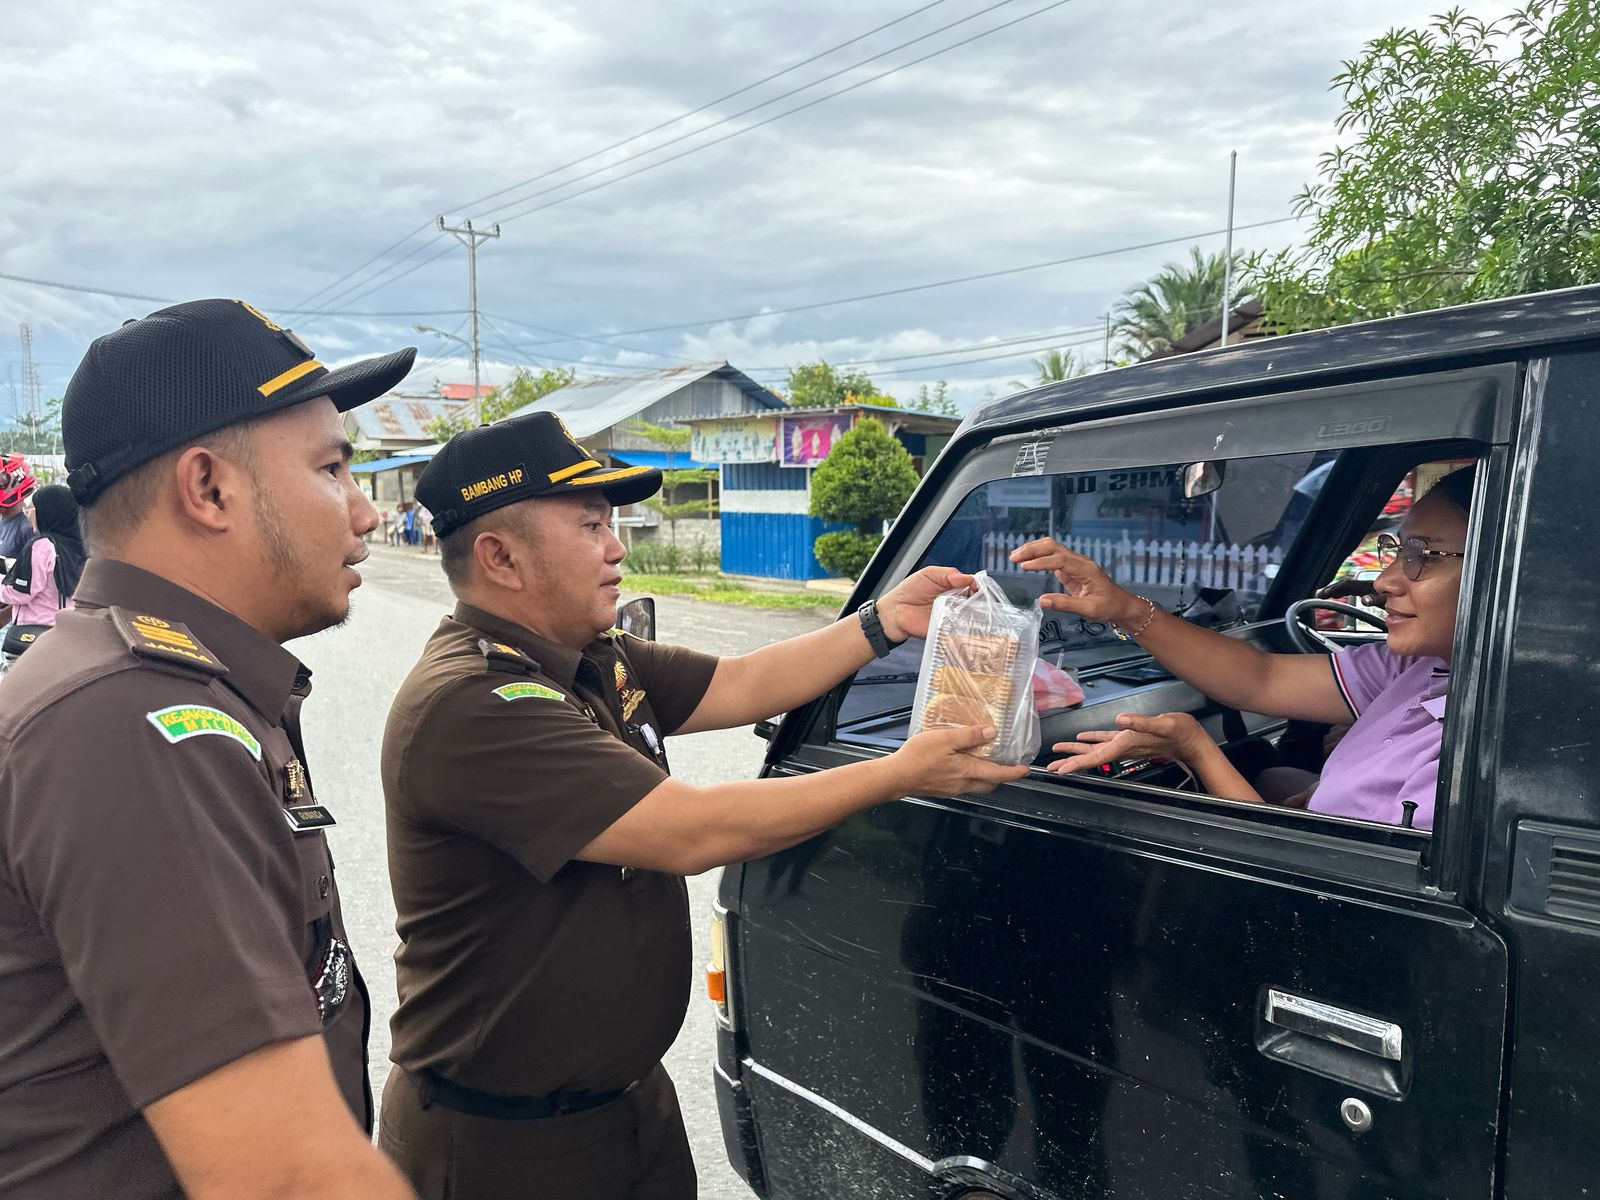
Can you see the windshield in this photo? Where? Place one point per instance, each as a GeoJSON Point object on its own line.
{"type": "Point", "coordinates": [1210, 559]}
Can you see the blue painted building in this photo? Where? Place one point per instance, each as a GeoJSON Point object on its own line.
{"type": "Point", "coordinates": [767, 463]}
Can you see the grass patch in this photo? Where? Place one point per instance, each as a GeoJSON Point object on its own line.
{"type": "Point", "coordinates": [725, 591]}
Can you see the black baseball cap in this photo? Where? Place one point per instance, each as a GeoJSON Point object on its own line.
{"type": "Point", "coordinates": [520, 458]}
{"type": "Point", "coordinates": [190, 370]}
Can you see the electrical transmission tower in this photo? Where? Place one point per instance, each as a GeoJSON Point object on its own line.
{"type": "Point", "coordinates": [470, 237]}
{"type": "Point", "coordinates": [30, 374]}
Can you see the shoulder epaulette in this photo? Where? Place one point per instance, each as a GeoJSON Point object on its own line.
{"type": "Point", "coordinates": [165, 641]}
{"type": "Point", "coordinates": [502, 657]}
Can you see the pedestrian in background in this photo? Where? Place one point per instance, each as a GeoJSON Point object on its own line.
{"type": "Point", "coordinates": [48, 566]}
{"type": "Point", "coordinates": [17, 483]}
{"type": "Point", "coordinates": [180, 1013]}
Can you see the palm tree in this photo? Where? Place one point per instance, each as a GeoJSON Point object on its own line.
{"type": "Point", "coordinates": [1054, 366]}
{"type": "Point", "coordinates": [1176, 300]}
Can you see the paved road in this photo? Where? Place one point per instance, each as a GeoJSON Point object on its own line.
{"type": "Point", "coordinates": [358, 668]}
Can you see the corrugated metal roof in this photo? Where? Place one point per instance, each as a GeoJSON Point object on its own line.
{"type": "Point", "coordinates": [591, 405]}
{"type": "Point", "coordinates": [389, 464]}
{"type": "Point", "coordinates": [401, 418]}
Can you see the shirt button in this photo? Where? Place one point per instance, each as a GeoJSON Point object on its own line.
{"type": "Point", "coordinates": [322, 887]}
{"type": "Point", "coordinates": [1388, 741]}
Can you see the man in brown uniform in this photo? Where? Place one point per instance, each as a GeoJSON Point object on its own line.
{"type": "Point", "coordinates": [179, 1009]}
{"type": "Point", "coordinates": [537, 845]}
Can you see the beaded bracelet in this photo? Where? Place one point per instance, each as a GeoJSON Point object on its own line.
{"type": "Point", "coordinates": [1127, 635]}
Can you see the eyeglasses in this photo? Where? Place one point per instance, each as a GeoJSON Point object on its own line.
{"type": "Point", "coordinates": [1413, 554]}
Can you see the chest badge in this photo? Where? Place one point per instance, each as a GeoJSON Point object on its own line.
{"type": "Point", "coordinates": [294, 780]}
{"type": "Point", "coordinates": [630, 698]}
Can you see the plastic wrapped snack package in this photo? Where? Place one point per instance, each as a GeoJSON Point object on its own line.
{"type": "Point", "coordinates": [977, 669]}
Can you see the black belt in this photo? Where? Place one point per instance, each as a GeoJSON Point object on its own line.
{"type": "Point", "coordinates": [435, 1089]}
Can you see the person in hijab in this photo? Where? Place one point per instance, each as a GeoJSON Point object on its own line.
{"type": "Point", "coordinates": [41, 581]}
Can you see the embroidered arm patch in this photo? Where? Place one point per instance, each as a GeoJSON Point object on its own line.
{"type": "Point", "coordinates": [527, 691]}
{"type": "Point", "coordinates": [184, 721]}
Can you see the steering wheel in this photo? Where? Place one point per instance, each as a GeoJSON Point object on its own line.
{"type": "Point", "coordinates": [1309, 640]}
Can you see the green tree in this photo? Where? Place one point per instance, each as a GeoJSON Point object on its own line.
{"type": "Point", "coordinates": [522, 389]}
{"type": "Point", "coordinates": [819, 385]}
{"type": "Point", "coordinates": [1176, 300]}
{"type": "Point", "coordinates": [1470, 171]}
{"type": "Point", "coordinates": [32, 433]}
{"type": "Point", "coordinates": [1052, 367]}
{"type": "Point", "coordinates": [866, 479]}
{"type": "Point", "coordinates": [934, 400]}
{"type": "Point", "coordinates": [675, 441]}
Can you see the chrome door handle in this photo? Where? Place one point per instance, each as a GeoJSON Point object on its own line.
{"type": "Point", "coordinates": [1370, 1035]}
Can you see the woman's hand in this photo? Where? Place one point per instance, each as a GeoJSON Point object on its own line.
{"type": "Point", "coordinates": [1170, 735]}
{"type": "Point", "coordinates": [905, 609]}
{"type": "Point", "coordinates": [1088, 590]}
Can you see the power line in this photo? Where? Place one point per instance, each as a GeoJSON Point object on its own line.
{"type": "Point", "coordinates": [79, 287]}
{"type": "Point", "coordinates": [616, 145]}
{"type": "Point", "coordinates": [511, 346]}
{"type": "Point", "coordinates": [378, 287]}
{"type": "Point", "coordinates": [684, 116]}
{"type": "Point", "coordinates": [938, 283]}
{"type": "Point", "coordinates": [357, 291]}
{"type": "Point", "coordinates": [775, 117]}
{"type": "Point", "coordinates": [563, 335]}
{"type": "Point", "coordinates": [327, 287]}
{"type": "Point", "coordinates": [746, 111]}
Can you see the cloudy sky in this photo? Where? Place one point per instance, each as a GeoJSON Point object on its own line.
{"type": "Point", "coordinates": [172, 149]}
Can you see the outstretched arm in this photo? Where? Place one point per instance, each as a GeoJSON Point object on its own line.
{"type": "Point", "coordinates": [787, 674]}
{"type": "Point", "coordinates": [1232, 672]}
{"type": "Point", "coordinates": [1170, 735]}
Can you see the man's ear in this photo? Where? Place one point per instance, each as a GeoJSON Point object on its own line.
{"type": "Point", "coordinates": [496, 555]}
{"type": "Point", "coordinates": [211, 491]}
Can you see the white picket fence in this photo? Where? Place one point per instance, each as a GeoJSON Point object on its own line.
{"type": "Point", "coordinates": [1138, 563]}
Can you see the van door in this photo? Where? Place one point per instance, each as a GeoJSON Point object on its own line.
{"type": "Point", "coordinates": [1111, 988]}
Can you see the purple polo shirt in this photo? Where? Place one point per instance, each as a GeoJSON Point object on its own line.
{"type": "Point", "coordinates": [1391, 753]}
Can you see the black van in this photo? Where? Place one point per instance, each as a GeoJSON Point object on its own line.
{"type": "Point", "coordinates": [1114, 986]}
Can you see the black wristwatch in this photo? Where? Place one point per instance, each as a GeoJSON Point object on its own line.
{"type": "Point", "coordinates": [873, 628]}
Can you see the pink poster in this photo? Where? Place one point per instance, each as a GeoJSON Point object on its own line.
{"type": "Point", "coordinates": [806, 441]}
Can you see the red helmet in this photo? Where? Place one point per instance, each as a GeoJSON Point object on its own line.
{"type": "Point", "coordinates": [16, 480]}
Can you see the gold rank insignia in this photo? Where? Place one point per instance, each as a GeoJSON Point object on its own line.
{"type": "Point", "coordinates": [157, 638]}
{"type": "Point", "coordinates": [631, 697]}
{"type": "Point", "coordinates": [294, 779]}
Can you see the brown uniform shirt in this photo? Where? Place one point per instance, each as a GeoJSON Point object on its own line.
{"type": "Point", "coordinates": [522, 971]}
{"type": "Point", "coordinates": [159, 915]}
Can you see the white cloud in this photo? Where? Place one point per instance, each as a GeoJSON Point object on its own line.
{"type": "Point", "coordinates": [187, 148]}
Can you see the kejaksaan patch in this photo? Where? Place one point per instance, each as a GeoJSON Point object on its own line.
{"type": "Point", "coordinates": [528, 691]}
{"type": "Point", "coordinates": [184, 721]}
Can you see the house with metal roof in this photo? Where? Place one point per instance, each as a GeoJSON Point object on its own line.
{"type": "Point", "coordinates": [766, 461]}
{"type": "Point", "coordinates": [598, 411]}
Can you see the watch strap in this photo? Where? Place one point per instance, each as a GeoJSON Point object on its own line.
{"type": "Point", "coordinates": [872, 626]}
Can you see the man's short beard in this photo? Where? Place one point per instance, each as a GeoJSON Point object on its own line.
{"type": "Point", "coordinates": [305, 614]}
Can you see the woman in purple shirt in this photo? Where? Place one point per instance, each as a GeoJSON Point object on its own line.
{"type": "Point", "coordinates": [1389, 761]}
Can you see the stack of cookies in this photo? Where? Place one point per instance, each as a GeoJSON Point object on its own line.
{"type": "Point", "coordinates": [977, 669]}
{"type": "Point", "coordinates": [971, 681]}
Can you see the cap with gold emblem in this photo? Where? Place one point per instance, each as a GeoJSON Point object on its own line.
{"type": "Point", "coordinates": [187, 371]}
{"type": "Point", "coordinates": [520, 458]}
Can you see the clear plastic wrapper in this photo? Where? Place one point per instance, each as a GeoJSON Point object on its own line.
{"type": "Point", "coordinates": [977, 669]}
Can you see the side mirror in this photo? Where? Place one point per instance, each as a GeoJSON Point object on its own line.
{"type": "Point", "coordinates": [1203, 478]}
{"type": "Point", "coordinates": [638, 617]}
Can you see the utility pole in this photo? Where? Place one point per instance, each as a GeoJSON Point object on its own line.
{"type": "Point", "coordinates": [1105, 355]}
{"type": "Point", "coordinates": [1227, 253]}
{"type": "Point", "coordinates": [470, 237]}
